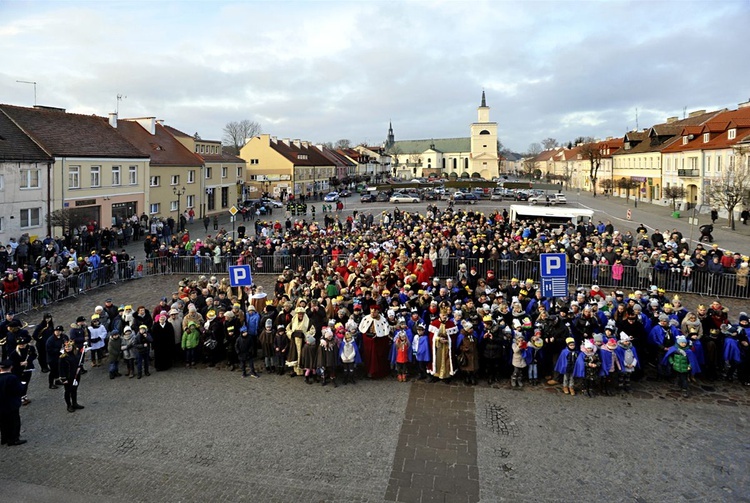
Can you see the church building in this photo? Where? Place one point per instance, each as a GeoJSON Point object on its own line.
{"type": "Point", "coordinates": [475, 156]}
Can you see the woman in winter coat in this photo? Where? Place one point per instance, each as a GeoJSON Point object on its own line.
{"type": "Point", "coordinates": [128, 351]}
{"type": "Point", "coordinates": [163, 335]}
{"type": "Point", "coordinates": [190, 340]}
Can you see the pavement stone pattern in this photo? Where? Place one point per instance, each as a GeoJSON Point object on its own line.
{"type": "Point", "coordinates": [436, 454]}
{"type": "Point", "coordinates": [206, 434]}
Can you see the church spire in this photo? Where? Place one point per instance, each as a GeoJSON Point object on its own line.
{"type": "Point", "coordinates": [391, 138]}
{"type": "Point", "coordinates": [484, 102]}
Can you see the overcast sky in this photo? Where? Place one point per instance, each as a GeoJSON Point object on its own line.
{"type": "Point", "coordinates": [324, 70]}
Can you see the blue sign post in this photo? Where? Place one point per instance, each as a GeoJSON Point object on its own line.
{"type": "Point", "coordinates": [240, 275]}
{"type": "Point", "coordinates": [554, 269]}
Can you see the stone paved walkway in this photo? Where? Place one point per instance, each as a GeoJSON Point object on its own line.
{"type": "Point", "coordinates": [436, 454]}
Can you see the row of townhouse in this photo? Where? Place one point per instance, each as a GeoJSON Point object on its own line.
{"type": "Point", "coordinates": [284, 167]}
{"type": "Point", "coordinates": [87, 168]}
{"type": "Point", "coordinates": [691, 153]}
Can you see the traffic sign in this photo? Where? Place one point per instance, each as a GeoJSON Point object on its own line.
{"type": "Point", "coordinates": [630, 215]}
{"type": "Point", "coordinates": [233, 210]}
{"type": "Point", "coordinates": [555, 287]}
{"type": "Point", "coordinates": [240, 275]}
{"type": "Point", "coordinates": [553, 265]}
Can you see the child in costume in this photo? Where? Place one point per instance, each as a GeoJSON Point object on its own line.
{"type": "Point", "coordinates": [308, 359]}
{"type": "Point", "coordinates": [732, 355]}
{"type": "Point", "coordinates": [349, 355]}
{"type": "Point", "coordinates": [400, 354]}
{"type": "Point", "coordinates": [421, 350]}
{"type": "Point", "coordinates": [468, 353]}
{"type": "Point", "coordinates": [627, 361]}
{"type": "Point", "coordinates": [588, 365]}
{"type": "Point", "coordinates": [566, 364]}
{"type": "Point", "coordinates": [280, 348]}
{"type": "Point", "coordinates": [610, 365]}
{"type": "Point", "coordinates": [534, 356]}
{"type": "Point", "coordinates": [682, 361]}
{"type": "Point", "coordinates": [519, 360]}
{"type": "Point", "coordinates": [328, 355]}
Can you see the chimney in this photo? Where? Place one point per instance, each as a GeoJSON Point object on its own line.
{"type": "Point", "coordinates": [670, 120]}
{"type": "Point", "coordinates": [113, 119]}
{"type": "Point", "coordinates": [160, 122]}
{"type": "Point", "coordinates": [744, 104]}
{"type": "Point", "coordinates": [306, 144]}
{"type": "Point", "coordinates": [696, 113]}
{"type": "Point", "coordinates": [297, 143]}
{"type": "Point", "coordinates": [148, 123]}
{"type": "Point", "coordinates": [285, 141]}
{"type": "Point", "coordinates": [274, 139]}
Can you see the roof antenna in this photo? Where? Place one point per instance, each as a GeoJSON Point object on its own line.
{"type": "Point", "coordinates": [29, 82]}
{"type": "Point", "coordinates": [120, 97]}
{"type": "Point", "coordinates": [636, 118]}
{"type": "Point", "coordinates": [684, 112]}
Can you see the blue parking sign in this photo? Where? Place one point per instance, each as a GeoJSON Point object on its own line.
{"type": "Point", "coordinates": [240, 275]}
{"type": "Point", "coordinates": [553, 265]}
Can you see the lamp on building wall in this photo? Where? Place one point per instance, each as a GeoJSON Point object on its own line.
{"type": "Point", "coordinates": [179, 193]}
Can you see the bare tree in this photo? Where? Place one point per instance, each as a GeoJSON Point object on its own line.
{"type": "Point", "coordinates": [674, 192]}
{"type": "Point", "coordinates": [343, 143]}
{"type": "Point", "coordinates": [627, 184]}
{"type": "Point", "coordinates": [732, 187]}
{"type": "Point", "coordinates": [534, 149]}
{"type": "Point", "coordinates": [590, 151]}
{"type": "Point", "coordinates": [66, 218]}
{"type": "Point", "coordinates": [607, 184]}
{"type": "Point", "coordinates": [549, 143]}
{"type": "Point", "coordinates": [237, 133]}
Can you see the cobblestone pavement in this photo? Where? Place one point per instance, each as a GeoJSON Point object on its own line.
{"type": "Point", "coordinates": [196, 435]}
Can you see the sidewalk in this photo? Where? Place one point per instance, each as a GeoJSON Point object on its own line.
{"type": "Point", "coordinates": [656, 216]}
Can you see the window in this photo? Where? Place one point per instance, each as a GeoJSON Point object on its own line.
{"type": "Point", "coordinates": [196, 149]}
{"type": "Point", "coordinates": [173, 206]}
{"type": "Point", "coordinates": [116, 175]}
{"type": "Point", "coordinates": [175, 180]}
{"type": "Point", "coordinates": [239, 172]}
{"type": "Point", "coordinates": [208, 172]}
{"type": "Point", "coordinates": [96, 180]}
{"type": "Point", "coordinates": [30, 217]}
{"type": "Point", "coordinates": [718, 164]}
{"type": "Point", "coordinates": [30, 178]}
{"type": "Point", "coordinates": [685, 140]}
{"type": "Point", "coordinates": [74, 177]}
{"type": "Point", "coordinates": [133, 175]}
{"type": "Point", "coordinates": [2, 182]}
{"type": "Point", "coordinates": [191, 176]}
{"type": "Point", "coordinates": [203, 149]}
{"type": "Point", "coordinates": [706, 137]}
{"type": "Point", "coordinates": [253, 161]}
{"type": "Point", "coordinates": [2, 224]}
{"type": "Point", "coordinates": [224, 172]}
{"type": "Point", "coordinates": [732, 134]}
{"type": "Point", "coordinates": [190, 202]}
{"type": "Point", "coordinates": [708, 164]}
{"type": "Point", "coordinates": [154, 208]}
{"type": "Point", "coordinates": [154, 181]}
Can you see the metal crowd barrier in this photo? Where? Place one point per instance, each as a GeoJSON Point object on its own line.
{"type": "Point", "coordinates": [727, 285]}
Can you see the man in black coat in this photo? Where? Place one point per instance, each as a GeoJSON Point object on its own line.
{"type": "Point", "coordinates": [11, 392]}
{"type": "Point", "coordinates": [69, 375]}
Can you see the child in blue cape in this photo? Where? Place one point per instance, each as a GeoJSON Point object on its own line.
{"type": "Point", "coordinates": [566, 364]}
{"type": "Point", "coordinates": [588, 366]}
{"type": "Point", "coordinates": [421, 350]}
{"type": "Point", "coordinates": [349, 355]}
{"type": "Point", "coordinates": [682, 361]}
{"type": "Point", "coordinates": [627, 361]}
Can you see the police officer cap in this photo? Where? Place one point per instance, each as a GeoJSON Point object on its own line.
{"type": "Point", "coordinates": [6, 364]}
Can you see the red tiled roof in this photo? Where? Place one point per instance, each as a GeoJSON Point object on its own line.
{"type": "Point", "coordinates": [65, 134]}
{"type": "Point", "coordinates": [17, 146]}
{"type": "Point", "coordinates": [164, 149]}
{"type": "Point", "coordinates": [292, 151]}
{"type": "Point", "coordinates": [719, 127]}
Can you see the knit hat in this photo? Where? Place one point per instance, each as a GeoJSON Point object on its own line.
{"type": "Point", "coordinates": [681, 339]}
{"type": "Point", "coordinates": [611, 343]}
{"type": "Point", "coordinates": [588, 345]}
{"type": "Point", "coordinates": [743, 317]}
{"type": "Point", "coordinates": [269, 323]}
{"type": "Point", "coordinates": [570, 340]}
{"type": "Point", "coordinates": [598, 338]}
{"type": "Point", "coordinates": [624, 337]}
{"type": "Point", "coordinates": [663, 317]}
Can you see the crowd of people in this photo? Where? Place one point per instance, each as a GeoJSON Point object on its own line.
{"type": "Point", "coordinates": [381, 298]}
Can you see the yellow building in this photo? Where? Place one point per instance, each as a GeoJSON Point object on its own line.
{"type": "Point", "coordinates": [96, 174]}
{"type": "Point", "coordinates": [284, 167]}
{"type": "Point", "coordinates": [224, 174]}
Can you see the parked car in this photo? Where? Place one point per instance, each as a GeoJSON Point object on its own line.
{"type": "Point", "coordinates": [367, 197]}
{"type": "Point", "coordinates": [344, 193]}
{"type": "Point", "coordinates": [521, 195]}
{"type": "Point", "coordinates": [500, 194]}
{"type": "Point", "coordinates": [465, 197]}
{"type": "Point", "coordinates": [271, 202]}
{"type": "Point", "coordinates": [381, 197]}
{"type": "Point", "coordinates": [398, 197]}
{"type": "Point", "coordinates": [554, 199]}
{"type": "Point", "coordinates": [431, 195]}
{"type": "Point", "coordinates": [331, 197]}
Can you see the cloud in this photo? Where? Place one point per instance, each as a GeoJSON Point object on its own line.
{"type": "Point", "coordinates": [327, 70]}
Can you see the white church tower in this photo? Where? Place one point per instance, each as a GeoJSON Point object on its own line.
{"type": "Point", "coordinates": [484, 156]}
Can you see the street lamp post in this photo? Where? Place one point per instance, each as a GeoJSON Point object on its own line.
{"type": "Point", "coordinates": [179, 193]}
